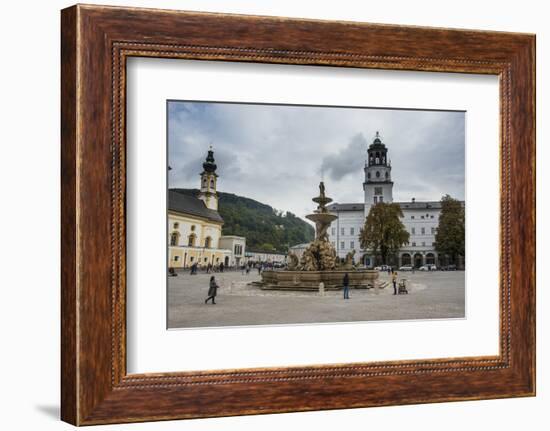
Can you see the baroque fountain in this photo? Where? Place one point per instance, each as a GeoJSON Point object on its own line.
{"type": "Point", "coordinates": [319, 262]}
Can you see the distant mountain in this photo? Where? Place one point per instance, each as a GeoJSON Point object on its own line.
{"type": "Point", "coordinates": [265, 228]}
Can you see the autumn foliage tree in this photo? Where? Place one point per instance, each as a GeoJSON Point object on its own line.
{"type": "Point", "coordinates": [384, 233]}
{"type": "Point", "coordinates": [449, 239]}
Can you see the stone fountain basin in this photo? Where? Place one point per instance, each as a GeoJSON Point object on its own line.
{"type": "Point", "coordinates": [309, 280]}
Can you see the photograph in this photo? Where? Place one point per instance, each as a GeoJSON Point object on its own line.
{"type": "Point", "coordinates": [282, 214]}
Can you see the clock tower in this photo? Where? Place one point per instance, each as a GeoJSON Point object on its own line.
{"type": "Point", "coordinates": [378, 185]}
{"type": "Point", "coordinates": [209, 178]}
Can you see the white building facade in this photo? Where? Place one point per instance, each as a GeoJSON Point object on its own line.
{"type": "Point", "coordinates": [421, 219]}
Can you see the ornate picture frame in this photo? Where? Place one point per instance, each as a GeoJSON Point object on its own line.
{"type": "Point", "coordinates": [96, 41]}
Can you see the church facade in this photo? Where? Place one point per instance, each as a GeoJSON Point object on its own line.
{"type": "Point", "coordinates": [421, 219]}
{"type": "Point", "coordinates": [195, 226]}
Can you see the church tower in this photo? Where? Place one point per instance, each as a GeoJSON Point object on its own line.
{"type": "Point", "coordinates": [378, 185]}
{"type": "Point", "coordinates": [208, 182]}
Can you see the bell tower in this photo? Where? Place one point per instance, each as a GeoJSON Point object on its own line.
{"type": "Point", "coordinates": [378, 185]}
{"type": "Point", "coordinates": [209, 179]}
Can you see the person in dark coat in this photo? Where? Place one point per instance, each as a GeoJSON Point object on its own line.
{"type": "Point", "coordinates": [212, 291]}
{"type": "Point", "coordinates": [346, 286]}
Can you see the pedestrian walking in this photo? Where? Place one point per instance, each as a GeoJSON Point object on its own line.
{"type": "Point", "coordinates": [221, 267]}
{"type": "Point", "coordinates": [346, 286]}
{"type": "Point", "coordinates": [394, 281]}
{"type": "Point", "coordinates": [212, 291]}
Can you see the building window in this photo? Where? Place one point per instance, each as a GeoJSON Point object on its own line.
{"type": "Point", "coordinates": [176, 225]}
{"type": "Point", "coordinates": [422, 217]}
{"type": "Point", "coordinates": [352, 231]}
{"type": "Point", "coordinates": [333, 231]}
{"type": "Point", "coordinates": [212, 183]}
{"type": "Point", "coordinates": [423, 231]}
{"type": "Point", "coordinates": [423, 244]}
{"type": "Point", "coordinates": [191, 240]}
{"type": "Point", "coordinates": [432, 216]}
{"type": "Point", "coordinates": [414, 244]}
{"type": "Point", "coordinates": [238, 249]}
{"type": "Point", "coordinates": [208, 242]}
{"type": "Point", "coordinates": [433, 230]}
{"type": "Point", "coordinates": [377, 174]}
{"type": "Point", "coordinates": [378, 191]}
{"type": "Point", "coordinates": [351, 244]}
{"type": "Point", "coordinates": [191, 259]}
{"type": "Point", "coordinates": [174, 238]}
{"type": "Point", "coordinates": [206, 259]}
{"type": "Point", "coordinates": [368, 174]}
{"type": "Point", "coordinates": [192, 228]}
{"type": "Point", "coordinates": [412, 216]}
{"type": "Point", "coordinates": [381, 199]}
{"type": "Point", "coordinates": [176, 258]}
{"type": "Point", "coordinates": [376, 199]}
{"type": "Point", "coordinates": [413, 231]}
{"type": "Point", "coordinates": [342, 231]}
{"type": "Point", "coordinates": [342, 245]}
{"type": "Point", "coordinates": [387, 175]}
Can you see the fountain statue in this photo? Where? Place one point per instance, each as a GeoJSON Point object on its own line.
{"type": "Point", "coordinates": [319, 262]}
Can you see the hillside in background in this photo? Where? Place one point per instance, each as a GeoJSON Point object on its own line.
{"type": "Point", "coordinates": [264, 227]}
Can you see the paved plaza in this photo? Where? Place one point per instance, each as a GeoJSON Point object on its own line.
{"type": "Point", "coordinates": [432, 295]}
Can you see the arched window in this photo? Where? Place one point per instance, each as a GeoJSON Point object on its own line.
{"type": "Point", "coordinates": [377, 174]}
{"type": "Point", "coordinates": [174, 238]}
{"type": "Point", "coordinates": [430, 259]}
{"type": "Point", "coordinates": [387, 175]}
{"type": "Point", "coordinates": [368, 175]}
{"type": "Point", "coordinates": [208, 242]}
{"type": "Point", "coordinates": [204, 182]}
{"type": "Point", "coordinates": [211, 183]}
{"type": "Point", "coordinates": [191, 240]}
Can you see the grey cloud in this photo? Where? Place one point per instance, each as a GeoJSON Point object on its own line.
{"type": "Point", "coordinates": [347, 160]}
{"type": "Point", "coordinates": [277, 154]}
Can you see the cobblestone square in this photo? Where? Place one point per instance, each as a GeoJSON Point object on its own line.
{"type": "Point", "coordinates": [432, 295]}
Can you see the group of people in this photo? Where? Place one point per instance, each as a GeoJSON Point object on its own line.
{"type": "Point", "coordinates": [209, 268]}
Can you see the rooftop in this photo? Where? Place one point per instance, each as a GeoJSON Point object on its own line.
{"type": "Point", "coordinates": [404, 205]}
{"type": "Point", "coordinates": [191, 205]}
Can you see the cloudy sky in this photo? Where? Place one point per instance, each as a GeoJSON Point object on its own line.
{"type": "Point", "coordinates": [278, 154]}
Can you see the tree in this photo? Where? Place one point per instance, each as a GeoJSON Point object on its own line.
{"type": "Point", "coordinates": [449, 239]}
{"type": "Point", "coordinates": [383, 232]}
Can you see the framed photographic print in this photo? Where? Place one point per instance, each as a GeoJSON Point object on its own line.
{"type": "Point", "coordinates": [266, 215]}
